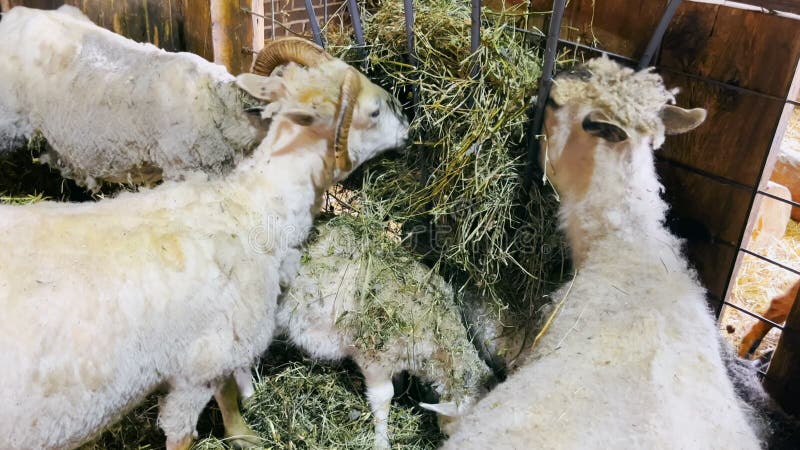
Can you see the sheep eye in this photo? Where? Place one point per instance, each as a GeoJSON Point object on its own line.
{"type": "Point", "coordinates": [375, 113]}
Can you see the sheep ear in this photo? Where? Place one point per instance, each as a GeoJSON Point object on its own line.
{"type": "Point", "coordinates": [678, 120]}
{"type": "Point", "coordinates": [600, 126]}
{"type": "Point", "coordinates": [265, 88]}
{"type": "Point", "coordinates": [301, 117]}
{"type": "Point", "coordinates": [449, 409]}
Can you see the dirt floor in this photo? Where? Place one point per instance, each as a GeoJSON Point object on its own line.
{"type": "Point", "coordinates": [758, 281]}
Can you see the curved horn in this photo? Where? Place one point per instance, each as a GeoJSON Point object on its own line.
{"type": "Point", "coordinates": [351, 86]}
{"type": "Point", "coordinates": [285, 50]}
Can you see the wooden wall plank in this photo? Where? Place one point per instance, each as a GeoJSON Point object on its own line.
{"type": "Point", "coordinates": [721, 208]}
{"type": "Point", "coordinates": [784, 370]}
{"type": "Point", "coordinates": [743, 48]}
{"type": "Point", "coordinates": [716, 212]}
{"type": "Point", "coordinates": [791, 6]}
{"type": "Point", "coordinates": [196, 27]}
{"type": "Point", "coordinates": [40, 4]}
{"type": "Point", "coordinates": [154, 21]}
{"type": "Point", "coordinates": [619, 26]}
{"type": "Point", "coordinates": [736, 137]}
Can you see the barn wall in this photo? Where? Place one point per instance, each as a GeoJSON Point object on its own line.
{"type": "Point", "coordinates": [782, 381]}
{"type": "Point", "coordinates": [175, 25]}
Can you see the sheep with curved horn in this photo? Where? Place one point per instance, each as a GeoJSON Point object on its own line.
{"type": "Point", "coordinates": [115, 110]}
{"type": "Point", "coordinates": [173, 287]}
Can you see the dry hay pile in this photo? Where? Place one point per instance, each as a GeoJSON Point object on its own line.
{"type": "Point", "coordinates": [458, 191]}
{"type": "Point", "coordinates": [757, 283]}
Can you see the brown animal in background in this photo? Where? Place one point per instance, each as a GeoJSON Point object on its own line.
{"type": "Point", "coordinates": [777, 312]}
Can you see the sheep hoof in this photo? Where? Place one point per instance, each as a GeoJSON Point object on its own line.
{"type": "Point", "coordinates": [242, 436]}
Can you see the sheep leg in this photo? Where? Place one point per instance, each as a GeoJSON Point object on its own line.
{"type": "Point", "coordinates": [236, 429]}
{"type": "Point", "coordinates": [380, 392]}
{"type": "Point", "coordinates": [777, 312]}
{"type": "Point", "coordinates": [244, 383]}
{"type": "Point", "coordinates": [178, 412]}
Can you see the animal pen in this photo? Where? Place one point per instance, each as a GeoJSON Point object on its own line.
{"type": "Point", "coordinates": [740, 60]}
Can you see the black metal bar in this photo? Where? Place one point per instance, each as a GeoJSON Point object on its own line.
{"type": "Point", "coordinates": [355, 17]}
{"type": "Point", "coordinates": [764, 258]}
{"type": "Point", "coordinates": [569, 43]}
{"type": "Point", "coordinates": [718, 178]}
{"type": "Point", "coordinates": [475, 29]}
{"type": "Point", "coordinates": [732, 268]}
{"type": "Point", "coordinates": [664, 69]}
{"type": "Point", "coordinates": [475, 35]}
{"type": "Point", "coordinates": [312, 18]}
{"type": "Point", "coordinates": [595, 49]}
{"type": "Point", "coordinates": [553, 31]}
{"type": "Point", "coordinates": [408, 11]}
{"type": "Point", "coordinates": [658, 34]}
{"type": "Point", "coordinates": [753, 315]}
{"type": "Point", "coordinates": [727, 85]}
{"type": "Point", "coordinates": [782, 200]}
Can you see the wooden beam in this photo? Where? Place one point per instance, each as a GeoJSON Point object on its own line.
{"type": "Point", "coordinates": [231, 35]}
{"type": "Point", "coordinates": [784, 370]}
{"type": "Point", "coordinates": [790, 6]}
{"type": "Point", "coordinates": [784, 8]}
{"type": "Point", "coordinates": [5, 5]}
{"type": "Point", "coordinates": [258, 24]}
{"type": "Point", "coordinates": [223, 17]}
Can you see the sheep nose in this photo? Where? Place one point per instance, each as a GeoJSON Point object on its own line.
{"type": "Point", "coordinates": [402, 138]}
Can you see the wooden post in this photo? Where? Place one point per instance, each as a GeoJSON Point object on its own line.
{"type": "Point", "coordinates": [5, 5]}
{"type": "Point", "coordinates": [231, 35]}
{"type": "Point", "coordinates": [258, 24]}
{"type": "Point", "coordinates": [223, 20]}
{"type": "Point", "coordinates": [784, 370]}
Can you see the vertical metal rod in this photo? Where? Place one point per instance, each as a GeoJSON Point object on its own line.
{"type": "Point", "coordinates": [553, 31]}
{"type": "Point", "coordinates": [475, 31]}
{"type": "Point", "coordinates": [325, 11]}
{"type": "Point", "coordinates": [312, 18]}
{"type": "Point", "coordinates": [475, 34]}
{"type": "Point", "coordinates": [408, 9]}
{"type": "Point", "coordinates": [355, 17]}
{"type": "Point", "coordinates": [658, 34]}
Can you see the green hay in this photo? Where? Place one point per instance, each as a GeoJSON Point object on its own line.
{"type": "Point", "coordinates": [457, 190]}
{"type": "Point", "coordinates": [298, 405]}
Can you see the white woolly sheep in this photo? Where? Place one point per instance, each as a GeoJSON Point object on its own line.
{"type": "Point", "coordinates": [632, 359]}
{"type": "Point", "coordinates": [176, 286]}
{"type": "Point", "coordinates": [361, 297]}
{"type": "Point", "coordinates": [116, 110]}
